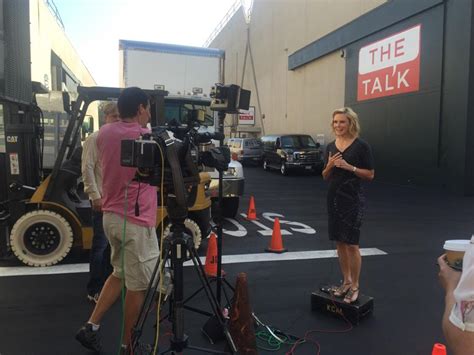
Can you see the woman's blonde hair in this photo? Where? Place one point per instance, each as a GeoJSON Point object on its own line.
{"type": "Point", "coordinates": [354, 127]}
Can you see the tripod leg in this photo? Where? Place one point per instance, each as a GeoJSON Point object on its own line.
{"type": "Point", "coordinates": [205, 284]}
{"type": "Point", "coordinates": [149, 298]}
{"type": "Point", "coordinates": [226, 296]}
{"type": "Point", "coordinates": [229, 285]}
{"type": "Point", "coordinates": [194, 294]}
{"type": "Point", "coordinates": [212, 299]}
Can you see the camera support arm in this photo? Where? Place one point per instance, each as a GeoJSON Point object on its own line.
{"type": "Point", "coordinates": [178, 208]}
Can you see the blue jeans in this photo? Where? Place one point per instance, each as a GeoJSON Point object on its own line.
{"type": "Point", "coordinates": [100, 267]}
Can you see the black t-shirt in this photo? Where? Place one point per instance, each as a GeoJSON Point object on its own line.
{"type": "Point", "coordinates": [358, 154]}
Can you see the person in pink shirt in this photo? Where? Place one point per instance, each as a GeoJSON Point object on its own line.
{"type": "Point", "coordinates": [128, 205]}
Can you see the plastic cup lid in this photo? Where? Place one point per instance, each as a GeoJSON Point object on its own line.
{"type": "Point", "coordinates": [456, 244]}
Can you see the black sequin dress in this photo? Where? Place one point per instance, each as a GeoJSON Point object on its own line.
{"type": "Point", "coordinates": [345, 200]}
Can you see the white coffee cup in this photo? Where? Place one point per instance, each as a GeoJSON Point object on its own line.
{"type": "Point", "coordinates": [455, 250]}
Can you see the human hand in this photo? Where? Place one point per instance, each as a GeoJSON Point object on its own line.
{"type": "Point", "coordinates": [333, 159]}
{"type": "Point", "coordinates": [97, 205]}
{"type": "Point", "coordinates": [342, 164]}
{"type": "Point", "coordinates": [448, 277]}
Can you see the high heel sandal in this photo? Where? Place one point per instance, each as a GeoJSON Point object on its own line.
{"type": "Point", "coordinates": [342, 290]}
{"type": "Point", "coordinates": [352, 295]}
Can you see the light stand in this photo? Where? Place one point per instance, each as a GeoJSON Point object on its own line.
{"type": "Point", "coordinates": [220, 128]}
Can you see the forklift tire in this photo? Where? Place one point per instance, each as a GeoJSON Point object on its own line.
{"type": "Point", "coordinates": [192, 229]}
{"type": "Point", "coordinates": [41, 238]}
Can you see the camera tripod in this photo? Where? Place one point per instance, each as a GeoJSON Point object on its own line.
{"type": "Point", "coordinates": [176, 246]}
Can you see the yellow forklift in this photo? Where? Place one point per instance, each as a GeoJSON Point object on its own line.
{"type": "Point", "coordinates": [42, 219]}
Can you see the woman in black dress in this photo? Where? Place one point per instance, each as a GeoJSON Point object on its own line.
{"type": "Point", "coordinates": [348, 161]}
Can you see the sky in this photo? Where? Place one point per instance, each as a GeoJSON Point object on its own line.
{"type": "Point", "coordinates": [94, 27]}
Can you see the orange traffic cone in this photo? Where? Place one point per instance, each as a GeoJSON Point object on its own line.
{"type": "Point", "coordinates": [241, 326]}
{"type": "Point", "coordinates": [210, 268]}
{"type": "Point", "coordinates": [251, 212]}
{"type": "Point", "coordinates": [439, 349]}
{"type": "Point", "coordinates": [276, 244]}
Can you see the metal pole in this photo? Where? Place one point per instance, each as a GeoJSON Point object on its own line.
{"type": "Point", "coordinates": [220, 127]}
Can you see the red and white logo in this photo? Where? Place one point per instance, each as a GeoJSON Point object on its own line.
{"type": "Point", "coordinates": [390, 66]}
{"type": "Point", "coordinates": [247, 116]}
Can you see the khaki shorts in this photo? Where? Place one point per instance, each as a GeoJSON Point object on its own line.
{"type": "Point", "coordinates": [140, 252]}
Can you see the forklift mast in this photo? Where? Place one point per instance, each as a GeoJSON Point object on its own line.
{"type": "Point", "coordinates": [77, 111]}
{"type": "Point", "coordinates": [21, 137]}
{"type": "Point", "coordinates": [23, 131]}
{"type": "Point", "coordinates": [19, 142]}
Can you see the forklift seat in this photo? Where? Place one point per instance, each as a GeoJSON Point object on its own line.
{"type": "Point", "coordinates": [68, 174]}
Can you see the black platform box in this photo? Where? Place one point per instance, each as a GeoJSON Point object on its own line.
{"type": "Point", "coordinates": [326, 303]}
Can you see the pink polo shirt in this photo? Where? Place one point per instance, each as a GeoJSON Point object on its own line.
{"type": "Point", "coordinates": [115, 177]}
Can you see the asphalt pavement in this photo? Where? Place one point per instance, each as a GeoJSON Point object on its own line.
{"type": "Point", "coordinates": [402, 235]}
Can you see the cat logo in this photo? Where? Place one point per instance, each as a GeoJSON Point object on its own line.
{"type": "Point", "coordinates": [12, 139]}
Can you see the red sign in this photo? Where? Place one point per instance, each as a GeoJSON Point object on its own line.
{"type": "Point", "coordinates": [247, 116]}
{"type": "Point", "coordinates": [390, 66]}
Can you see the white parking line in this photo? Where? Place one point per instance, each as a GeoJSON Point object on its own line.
{"type": "Point", "coordinates": [227, 259]}
{"type": "Point", "coordinates": [296, 255]}
{"type": "Point", "coordinates": [48, 270]}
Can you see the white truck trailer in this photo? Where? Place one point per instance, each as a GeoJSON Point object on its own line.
{"type": "Point", "coordinates": [188, 74]}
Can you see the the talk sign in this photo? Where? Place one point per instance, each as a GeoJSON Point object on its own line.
{"type": "Point", "coordinates": [390, 66]}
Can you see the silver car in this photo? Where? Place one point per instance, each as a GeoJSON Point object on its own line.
{"type": "Point", "coordinates": [246, 149]}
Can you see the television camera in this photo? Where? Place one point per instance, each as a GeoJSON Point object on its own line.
{"type": "Point", "coordinates": [149, 153]}
{"type": "Point", "coordinates": [152, 152]}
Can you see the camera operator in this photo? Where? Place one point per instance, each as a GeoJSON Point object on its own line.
{"type": "Point", "coordinates": [133, 241]}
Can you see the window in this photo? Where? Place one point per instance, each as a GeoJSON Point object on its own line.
{"type": "Point", "coordinates": [172, 113]}
{"type": "Point", "coordinates": [297, 142]}
{"type": "Point", "coordinates": [251, 143]}
{"type": "Point", "coordinates": [180, 111]}
{"type": "Point", "coordinates": [61, 76]}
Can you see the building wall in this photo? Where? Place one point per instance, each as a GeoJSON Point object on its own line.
{"type": "Point", "coordinates": [392, 124]}
{"type": "Point", "coordinates": [422, 135]}
{"type": "Point", "coordinates": [46, 36]}
{"type": "Point", "coordinates": [232, 39]}
{"type": "Point", "coordinates": [457, 120]}
{"type": "Point", "coordinates": [49, 44]}
{"type": "Point", "coordinates": [291, 101]}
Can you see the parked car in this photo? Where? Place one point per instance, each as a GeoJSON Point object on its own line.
{"type": "Point", "coordinates": [246, 149]}
{"type": "Point", "coordinates": [291, 151]}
